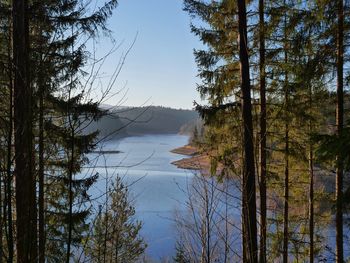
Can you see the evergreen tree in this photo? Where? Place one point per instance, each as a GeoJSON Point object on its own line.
{"type": "Point", "coordinates": [23, 137]}
{"type": "Point", "coordinates": [55, 71]}
{"type": "Point", "coordinates": [180, 256]}
{"type": "Point", "coordinates": [340, 124]}
{"type": "Point", "coordinates": [294, 62]}
{"type": "Point", "coordinates": [249, 190]}
{"type": "Point", "coordinates": [263, 135]}
{"type": "Point", "coordinates": [116, 236]}
{"type": "Point", "coordinates": [6, 80]}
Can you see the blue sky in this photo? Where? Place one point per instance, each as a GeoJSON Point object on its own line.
{"type": "Point", "coordinates": [160, 69]}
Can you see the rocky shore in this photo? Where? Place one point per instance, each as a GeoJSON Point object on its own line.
{"type": "Point", "coordinates": [195, 160]}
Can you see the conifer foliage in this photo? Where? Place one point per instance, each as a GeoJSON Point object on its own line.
{"type": "Point", "coordinates": [275, 84]}
{"type": "Point", "coordinates": [46, 108]}
{"type": "Point", "coordinates": [279, 62]}
{"type": "Point", "coordinates": [116, 233]}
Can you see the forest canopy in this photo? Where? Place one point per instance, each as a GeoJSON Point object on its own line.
{"type": "Point", "coordinates": [274, 78]}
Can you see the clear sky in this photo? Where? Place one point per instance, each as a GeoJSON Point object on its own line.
{"type": "Point", "coordinates": [160, 69]}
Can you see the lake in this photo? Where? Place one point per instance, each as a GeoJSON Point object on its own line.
{"type": "Point", "coordinates": [156, 184]}
{"type": "Point", "coordinates": [158, 188]}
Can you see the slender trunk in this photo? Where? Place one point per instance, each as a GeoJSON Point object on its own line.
{"type": "Point", "coordinates": [41, 180]}
{"type": "Point", "coordinates": [9, 182]}
{"type": "Point", "coordinates": [226, 238]}
{"type": "Point", "coordinates": [4, 214]}
{"type": "Point", "coordinates": [203, 243]}
{"type": "Point", "coordinates": [9, 175]}
{"type": "Point", "coordinates": [23, 133]}
{"type": "Point", "coordinates": [70, 172]}
{"type": "Point", "coordinates": [70, 199]}
{"type": "Point", "coordinates": [33, 210]}
{"type": "Point", "coordinates": [249, 190]}
{"type": "Point", "coordinates": [286, 154]}
{"type": "Point", "coordinates": [2, 217]}
{"type": "Point", "coordinates": [286, 173]}
{"type": "Point", "coordinates": [311, 202]}
{"type": "Point", "coordinates": [106, 222]}
{"type": "Point", "coordinates": [311, 184]}
{"type": "Point", "coordinates": [339, 123]}
{"type": "Point", "coordinates": [286, 196]}
{"type": "Point", "coordinates": [41, 168]}
{"type": "Point", "coordinates": [116, 259]}
{"type": "Point", "coordinates": [244, 231]}
{"type": "Point", "coordinates": [208, 229]}
{"type": "Point", "coordinates": [262, 133]}
{"type": "Point", "coordinates": [112, 243]}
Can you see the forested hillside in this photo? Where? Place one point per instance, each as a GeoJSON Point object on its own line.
{"type": "Point", "coordinates": [129, 121]}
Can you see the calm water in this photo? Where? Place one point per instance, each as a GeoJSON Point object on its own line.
{"type": "Point", "coordinates": [157, 187]}
{"type": "Point", "coordinates": [156, 184]}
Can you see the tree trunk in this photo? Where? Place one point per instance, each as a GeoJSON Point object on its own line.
{"type": "Point", "coordinates": [286, 196]}
{"type": "Point", "coordinates": [286, 155]}
{"type": "Point", "coordinates": [249, 191]}
{"type": "Point", "coordinates": [71, 167]}
{"type": "Point", "coordinates": [262, 133]}
{"type": "Point", "coordinates": [106, 222]}
{"type": "Point", "coordinates": [9, 175]}
{"type": "Point", "coordinates": [70, 197]}
{"type": "Point", "coordinates": [311, 203]}
{"type": "Point", "coordinates": [311, 185]}
{"type": "Point", "coordinates": [2, 215]}
{"type": "Point", "coordinates": [339, 123]}
{"type": "Point", "coordinates": [244, 231]}
{"type": "Point", "coordinates": [41, 180]}
{"type": "Point", "coordinates": [9, 180]}
{"type": "Point", "coordinates": [23, 133]}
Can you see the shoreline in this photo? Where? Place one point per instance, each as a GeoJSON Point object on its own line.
{"type": "Point", "coordinates": [186, 150]}
{"type": "Point", "coordinates": [195, 160]}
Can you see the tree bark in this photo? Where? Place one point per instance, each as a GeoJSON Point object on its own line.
{"type": "Point", "coordinates": [71, 168]}
{"type": "Point", "coordinates": [9, 174]}
{"type": "Point", "coordinates": [41, 180]}
{"type": "Point", "coordinates": [286, 196]}
{"type": "Point", "coordinates": [249, 191]}
{"type": "Point", "coordinates": [311, 185]}
{"type": "Point", "coordinates": [244, 231]}
{"type": "Point", "coordinates": [311, 203]}
{"type": "Point", "coordinates": [9, 181]}
{"type": "Point", "coordinates": [23, 134]}
{"type": "Point", "coordinates": [70, 195]}
{"type": "Point", "coordinates": [339, 124]}
{"type": "Point", "coordinates": [262, 133]}
{"type": "Point", "coordinates": [286, 171]}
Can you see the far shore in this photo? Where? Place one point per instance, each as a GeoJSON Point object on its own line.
{"type": "Point", "coordinates": [186, 150]}
{"type": "Point", "coordinates": [195, 161]}
{"type": "Point", "coordinates": [106, 152]}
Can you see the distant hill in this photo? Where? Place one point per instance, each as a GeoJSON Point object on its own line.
{"type": "Point", "coordinates": [128, 121]}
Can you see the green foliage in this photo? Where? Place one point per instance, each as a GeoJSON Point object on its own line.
{"type": "Point", "coordinates": [115, 235]}
{"type": "Point", "coordinates": [300, 58]}
{"type": "Point", "coordinates": [180, 256]}
{"type": "Point", "coordinates": [59, 31]}
{"type": "Point", "coordinates": [332, 146]}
